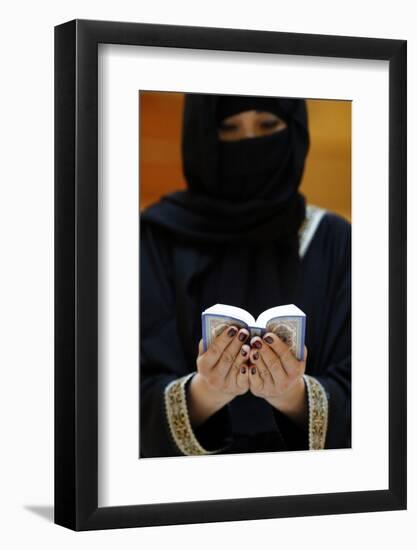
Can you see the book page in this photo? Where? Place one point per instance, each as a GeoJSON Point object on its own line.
{"type": "Point", "coordinates": [214, 324]}
{"type": "Point", "coordinates": [278, 311]}
{"type": "Point", "coordinates": [217, 317]}
{"type": "Point", "coordinates": [290, 330]}
{"type": "Point", "coordinates": [231, 311]}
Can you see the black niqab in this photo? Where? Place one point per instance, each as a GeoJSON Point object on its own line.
{"type": "Point", "coordinates": [208, 211]}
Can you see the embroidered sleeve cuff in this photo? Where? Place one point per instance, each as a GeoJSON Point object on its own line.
{"type": "Point", "coordinates": [179, 420]}
{"type": "Point", "coordinates": [318, 411]}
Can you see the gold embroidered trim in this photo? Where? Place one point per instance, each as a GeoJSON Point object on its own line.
{"type": "Point", "coordinates": [179, 420]}
{"type": "Point", "coordinates": [318, 411]}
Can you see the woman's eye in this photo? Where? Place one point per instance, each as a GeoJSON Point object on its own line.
{"type": "Point", "coordinates": [227, 126]}
{"type": "Point", "coordinates": [270, 124]}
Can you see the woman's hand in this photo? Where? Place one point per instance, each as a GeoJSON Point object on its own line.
{"type": "Point", "coordinates": [276, 376]}
{"type": "Point", "coordinates": [222, 374]}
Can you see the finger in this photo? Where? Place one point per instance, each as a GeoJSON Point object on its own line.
{"type": "Point", "coordinates": [253, 341]}
{"type": "Point", "coordinates": [236, 343]}
{"type": "Point", "coordinates": [200, 347]}
{"type": "Point", "coordinates": [273, 364]}
{"type": "Point", "coordinates": [231, 355]}
{"type": "Point", "coordinates": [242, 378]}
{"type": "Point", "coordinates": [256, 359]}
{"type": "Point", "coordinates": [255, 381]}
{"type": "Point", "coordinates": [244, 352]}
{"type": "Point", "coordinates": [289, 362]}
{"type": "Point", "coordinates": [219, 344]}
{"type": "Point", "coordinates": [240, 360]}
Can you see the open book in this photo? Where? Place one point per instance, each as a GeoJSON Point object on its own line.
{"type": "Point", "coordinates": [288, 322]}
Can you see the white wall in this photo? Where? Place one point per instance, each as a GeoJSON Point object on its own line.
{"type": "Point", "coordinates": [26, 286]}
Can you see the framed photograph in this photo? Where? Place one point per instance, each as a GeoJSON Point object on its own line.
{"type": "Point", "coordinates": [230, 274]}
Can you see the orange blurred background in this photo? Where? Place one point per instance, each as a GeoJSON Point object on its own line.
{"type": "Point", "coordinates": [327, 177]}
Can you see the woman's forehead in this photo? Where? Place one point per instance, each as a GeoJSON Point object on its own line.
{"type": "Point", "coordinates": [252, 113]}
{"type": "Point", "coordinates": [228, 106]}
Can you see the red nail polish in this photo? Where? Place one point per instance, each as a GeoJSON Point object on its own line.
{"type": "Point", "coordinates": [256, 355]}
{"type": "Point", "coordinates": [243, 370]}
{"type": "Point", "coordinates": [258, 344]}
{"type": "Point", "coordinates": [231, 332]}
{"type": "Point", "coordinates": [243, 352]}
{"type": "Point", "coordinates": [253, 370]}
{"type": "Point", "coordinates": [268, 339]}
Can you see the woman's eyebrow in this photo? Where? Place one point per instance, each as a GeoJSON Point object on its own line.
{"type": "Point", "coordinates": [267, 113]}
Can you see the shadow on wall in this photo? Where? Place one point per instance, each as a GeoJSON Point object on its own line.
{"type": "Point", "coordinates": [45, 512]}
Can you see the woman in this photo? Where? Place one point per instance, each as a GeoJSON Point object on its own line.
{"type": "Point", "coordinates": [242, 235]}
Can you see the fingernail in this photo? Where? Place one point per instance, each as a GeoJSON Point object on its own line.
{"type": "Point", "coordinates": [256, 355]}
{"type": "Point", "coordinates": [268, 339]}
{"type": "Point", "coordinates": [243, 352]}
{"type": "Point", "coordinates": [243, 370]}
{"type": "Point", "coordinates": [231, 332]}
{"type": "Point", "coordinates": [257, 344]}
{"type": "Point", "coordinates": [253, 370]}
{"type": "Point", "coordinates": [242, 336]}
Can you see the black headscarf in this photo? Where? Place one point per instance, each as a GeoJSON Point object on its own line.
{"type": "Point", "coordinates": [222, 204]}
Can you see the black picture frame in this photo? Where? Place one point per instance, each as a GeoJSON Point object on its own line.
{"type": "Point", "coordinates": [76, 271]}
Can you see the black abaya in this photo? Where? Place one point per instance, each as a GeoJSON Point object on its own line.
{"type": "Point", "coordinates": [210, 244]}
{"type": "Point", "coordinates": [179, 281]}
